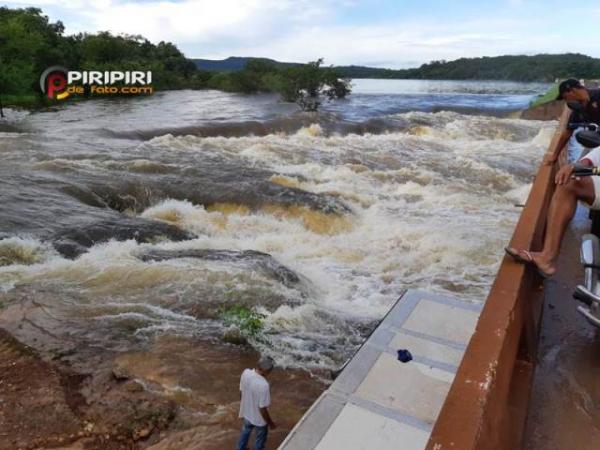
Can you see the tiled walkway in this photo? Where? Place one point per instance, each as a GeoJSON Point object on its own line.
{"type": "Point", "coordinates": [381, 403]}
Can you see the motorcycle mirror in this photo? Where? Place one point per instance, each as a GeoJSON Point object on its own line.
{"type": "Point", "coordinates": [575, 106]}
{"type": "Point", "coordinates": [588, 138]}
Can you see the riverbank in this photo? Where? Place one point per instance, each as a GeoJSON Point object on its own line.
{"type": "Point", "coordinates": [22, 101]}
{"type": "Point", "coordinates": [134, 400]}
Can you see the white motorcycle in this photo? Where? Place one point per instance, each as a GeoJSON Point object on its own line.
{"type": "Point", "coordinates": [589, 292]}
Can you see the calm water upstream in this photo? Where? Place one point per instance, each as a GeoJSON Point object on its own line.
{"type": "Point", "coordinates": [126, 226]}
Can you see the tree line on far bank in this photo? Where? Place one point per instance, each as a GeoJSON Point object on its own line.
{"type": "Point", "coordinates": [30, 43]}
{"type": "Point", "coordinates": [546, 68]}
{"type": "Point", "coordinates": [542, 68]}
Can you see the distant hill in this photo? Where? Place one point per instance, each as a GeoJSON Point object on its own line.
{"type": "Point", "coordinates": [543, 67]}
{"type": "Point", "coordinates": [234, 63]}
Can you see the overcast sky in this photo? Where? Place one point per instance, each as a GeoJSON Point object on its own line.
{"type": "Point", "coordinates": [380, 33]}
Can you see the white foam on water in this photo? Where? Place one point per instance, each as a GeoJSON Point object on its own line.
{"type": "Point", "coordinates": [24, 251]}
{"type": "Point", "coordinates": [431, 208]}
{"type": "Point", "coordinates": [183, 214]}
{"type": "Point", "coordinates": [10, 134]}
{"type": "Point", "coordinates": [312, 130]}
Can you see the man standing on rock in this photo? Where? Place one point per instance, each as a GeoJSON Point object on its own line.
{"type": "Point", "coordinates": [254, 405]}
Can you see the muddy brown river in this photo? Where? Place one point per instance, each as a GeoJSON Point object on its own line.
{"type": "Point", "coordinates": [128, 228]}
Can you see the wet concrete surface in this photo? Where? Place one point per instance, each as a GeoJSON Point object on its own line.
{"type": "Point", "coordinates": [564, 412]}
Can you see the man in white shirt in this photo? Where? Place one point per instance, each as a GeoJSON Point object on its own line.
{"type": "Point", "coordinates": [256, 399]}
{"type": "Point", "coordinates": [562, 209]}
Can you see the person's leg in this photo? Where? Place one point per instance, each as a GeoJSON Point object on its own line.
{"type": "Point", "coordinates": [242, 443]}
{"type": "Point", "coordinates": [561, 211]}
{"type": "Point", "coordinates": [261, 437]}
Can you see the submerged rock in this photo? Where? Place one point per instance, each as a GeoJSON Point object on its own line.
{"type": "Point", "coordinates": [263, 261]}
{"type": "Point", "coordinates": [234, 336]}
{"type": "Point", "coordinates": [75, 241]}
{"type": "Point", "coordinates": [213, 182]}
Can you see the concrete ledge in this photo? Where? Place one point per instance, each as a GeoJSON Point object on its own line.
{"type": "Point", "coordinates": [378, 401]}
{"type": "Point", "coordinates": [487, 405]}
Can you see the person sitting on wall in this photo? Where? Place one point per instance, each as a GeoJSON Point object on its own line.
{"type": "Point", "coordinates": [568, 190]}
{"type": "Point", "coordinates": [572, 90]}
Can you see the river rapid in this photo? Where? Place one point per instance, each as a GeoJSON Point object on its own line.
{"type": "Point", "coordinates": [128, 225]}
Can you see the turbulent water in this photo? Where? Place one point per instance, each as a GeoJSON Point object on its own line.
{"type": "Point", "coordinates": [124, 220]}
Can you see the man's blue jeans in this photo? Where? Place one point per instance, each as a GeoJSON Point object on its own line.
{"type": "Point", "coordinates": [260, 437]}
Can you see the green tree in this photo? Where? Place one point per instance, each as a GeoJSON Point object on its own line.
{"type": "Point", "coordinates": [1, 90]}
{"type": "Point", "coordinates": [309, 84]}
{"type": "Point", "coordinates": [29, 43]}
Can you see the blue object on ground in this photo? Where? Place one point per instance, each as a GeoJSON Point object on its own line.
{"type": "Point", "coordinates": [404, 356]}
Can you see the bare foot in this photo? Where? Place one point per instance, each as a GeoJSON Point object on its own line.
{"type": "Point", "coordinates": [544, 265]}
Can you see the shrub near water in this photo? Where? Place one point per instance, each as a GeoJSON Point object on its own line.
{"type": "Point", "coordinates": [245, 323]}
{"type": "Point", "coordinates": [307, 84]}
